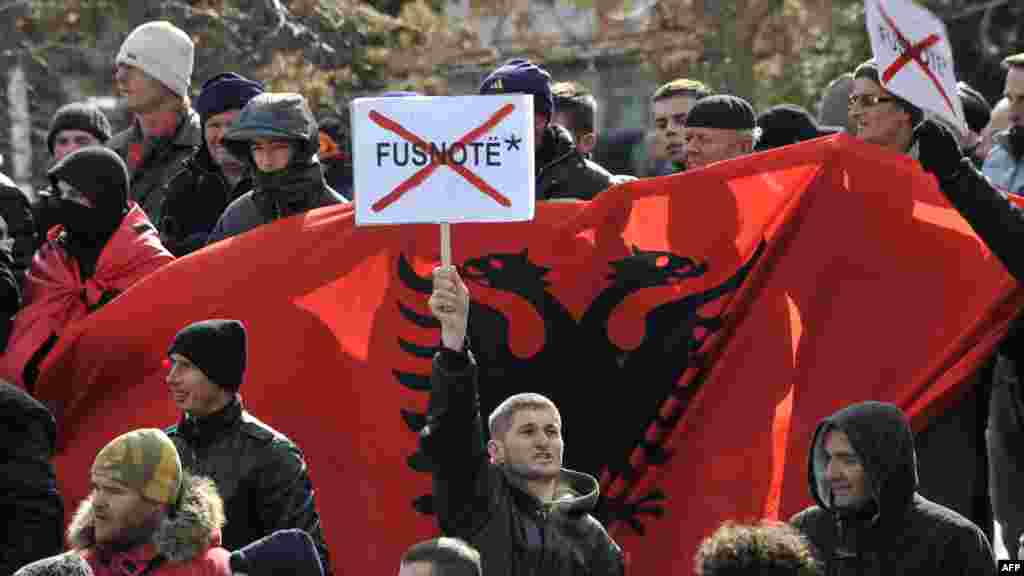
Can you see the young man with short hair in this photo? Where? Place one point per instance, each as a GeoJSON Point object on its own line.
{"type": "Point", "coordinates": [152, 73]}
{"type": "Point", "coordinates": [259, 471]}
{"type": "Point", "coordinates": [576, 111]}
{"type": "Point", "coordinates": [670, 105]}
{"type": "Point", "coordinates": [1005, 163]}
{"type": "Point", "coordinates": [440, 557]}
{"type": "Point", "coordinates": [510, 498]}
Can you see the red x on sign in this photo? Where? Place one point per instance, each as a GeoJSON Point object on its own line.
{"type": "Point", "coordinates": [440, 159]}
{"type": "Point", "coordinates": [912, 52]}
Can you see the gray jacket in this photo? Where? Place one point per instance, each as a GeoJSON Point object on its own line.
{"type": "Point", "coordinates": [161, 160]}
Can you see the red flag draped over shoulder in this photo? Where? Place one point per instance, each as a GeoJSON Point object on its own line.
{"type": "Point", "coordinates": [691, 328]}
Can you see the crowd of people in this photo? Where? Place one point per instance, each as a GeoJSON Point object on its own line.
{"type": "Point", "coordinates": [221, 492]}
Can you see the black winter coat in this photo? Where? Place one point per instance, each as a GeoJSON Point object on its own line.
{"type": "Point", "coordinates": [563, 172]}
{"type": "Point", "coordinates": [476, 501]}
{"type": "Point", "coordinates": [193, 202]}
{"type": "Point", "coordinates": [260, 474]}
{"type": "Point", "coordinates": [898, 531]}
{"type": "Point", "coordinates": [30, 505]}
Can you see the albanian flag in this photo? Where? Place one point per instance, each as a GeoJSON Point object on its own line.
{"type": "Point", "coordinates": [692, 329]}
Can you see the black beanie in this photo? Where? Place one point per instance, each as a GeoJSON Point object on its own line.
{"type": "Point", "coordinates": [84, 116]}
{"type": "Point", "coordinates": [977, 112]}
{"type": "Point", "coordinates": [217, 348]}
{"type": "Point", "coordinates": [723, 111]}
{"type": "Point", "coordinates": [520, 76]}
{"type": "Point", "coordinates": [97, 172]}
{"type": "Point", "coordinates": [787, 124]}
{"type": "Point", "coordinates": [223, 92]}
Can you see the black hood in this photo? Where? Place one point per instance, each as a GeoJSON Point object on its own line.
{"type": "Point", "coordinates": [881, 435]}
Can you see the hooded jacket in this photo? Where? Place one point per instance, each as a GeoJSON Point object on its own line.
{"type": "Point", "coordinates": [298, 188]}
{"type": "Point", "coordinates": [563, 171]}
{"type": "Point", "coordinates": [515, 533]}
{"type": "Point", "coordinates": [158, 161]}
{"type": "Point", "coordinates": [184, 543]}
{"type": "Point", "coordinates": [898, 531]}
{"type": "Point", "coordinates": [29, 500]}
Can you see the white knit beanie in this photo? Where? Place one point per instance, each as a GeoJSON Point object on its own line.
{"type": "Point", "coordinates": [163, 51]}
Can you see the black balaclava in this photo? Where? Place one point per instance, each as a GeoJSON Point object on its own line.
{"type": "Point", "coordinates": [101, 175]}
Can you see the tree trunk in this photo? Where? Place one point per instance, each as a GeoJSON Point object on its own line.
{"type": "Point", "coordinates": [21, 126]}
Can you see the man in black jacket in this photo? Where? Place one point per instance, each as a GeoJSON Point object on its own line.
{"type": "Point", "coordinates": [211, 178]}
{"type": "Point", "coordinates": [869, 518]}
{"type": "Point", "coordinates": [511, 500]}
{"type": "Point", "coordinates": [31, 508]}
{"type": "Point", "coordinates": [259, 472]}
{"type": "Point", "coordinates": [562, 171]}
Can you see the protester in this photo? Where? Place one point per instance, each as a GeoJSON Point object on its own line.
{"type": "Point", "coordinates": [277, 136]}
{"type": "Point", "coordinates": [152, 75]}
{"type": "Point", "coordinates": [103, 245]}
{"type": "Point", "coordinates": [670, 105]}
{"type": "Point", "coordinates": [787, 124]}
{"type": "Point", "coordinates": [146, 515]}
{"type": "Point", "coordinates": [869, 518]}
{"type": "Point", "coordinates": [285, 552]}
{"type": "Point", "coordinates": [1005, 163]}
{"type": "Point", "coordinates": [834, 106]}
{"type": "Point", "coordinates": [562, 171]}
{"type": "Point", "coordinates": [718, 128]}
{"type": "Point", "coordinates": [73, 126]}
{"type": "Point", "coordinates": [977, 114]}
{"type": "Point", "coordinates": [211, 178]}
{"type": "Point", "coordinates": [576, 111]}
{"type": "Point", "coordinates": [771, 548]}
{"type": "Point", "coordinates": [440, 557]}
{"type": "Point", "coordinates": [998, 121]}
{"type": "Point", "coordinates": [880, 117]}
{"type": "Point", "coordinates": [16, 212]}
{"type": "Point", "coordinates": [512, 501]}
{"type": "Point", "coordinates": [336, 154]}
{"type": "Point", "coordinates": [260, 473]}
{"type": "Point", "coordinates": [29, 499]}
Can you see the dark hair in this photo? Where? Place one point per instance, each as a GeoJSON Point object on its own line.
{"type": "Point", "coordinates": [581, 106]}
{"type": "Point", "coordinates": [446, 556]}
{"type": "Point", "coordinates": [768, 548]}
{"type": "Point", "coordinates": [869, 70]}
{"type": "Point", "coordinates": [681, 87]}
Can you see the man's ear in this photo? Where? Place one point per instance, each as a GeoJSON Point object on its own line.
{"type": "Point", "coordinates": [496, 451]}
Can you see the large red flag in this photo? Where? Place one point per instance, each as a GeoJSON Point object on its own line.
{"type": "Point", "coordinates": [692, 329]}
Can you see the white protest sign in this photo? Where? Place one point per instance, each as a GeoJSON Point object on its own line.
{"type": "Point", "coordinates": [443, 159]}
{"type": "Point", "coordinates": [914, 57]}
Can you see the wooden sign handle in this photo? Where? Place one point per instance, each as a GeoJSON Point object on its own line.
{"type": "Point", "coordinates": [446, 244]}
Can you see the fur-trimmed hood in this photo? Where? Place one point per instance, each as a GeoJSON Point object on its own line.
{"type": "Point", "coordinates": [181, 537]}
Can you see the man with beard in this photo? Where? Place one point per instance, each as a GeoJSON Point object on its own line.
{"type": "Point", "coordinates": [212, 178]}
{"type": "Point", "coordinates": [510, 499]}
{"type": "Point", "coordinates": [278, 137]}
{"type": "Point", "coordinates": [562, 171]}
{"type": "Point", "coordinates": [103, 245]}
{"type": "Point", "coordinates": [869, 518]}
{"type": "Point", "coordinates": [146, 515]}
{"type": "Point", "coordinates": [152, 73]}
{"type": "Point", "coordinates": [1005, 164]}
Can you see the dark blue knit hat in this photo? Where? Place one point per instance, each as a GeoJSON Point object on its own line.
{"type": "Point", "coordinates": [285, 552]}
{"type": "Point", "coordinates": [520, 76]}
{"type": "Point", "coordinates": [723, 111]}
{"type": "Point", "coordinates": [224, 92]}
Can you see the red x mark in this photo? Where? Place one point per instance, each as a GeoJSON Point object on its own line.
{"type": "Point", "coordinates": [913, 52]}
{"type": "Point", "coordinates": [439, 160]}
